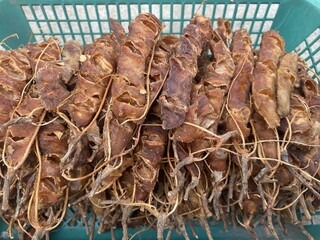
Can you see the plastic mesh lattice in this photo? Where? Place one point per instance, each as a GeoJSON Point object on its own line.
{"type": "Point", "coordinates": [87, 22]}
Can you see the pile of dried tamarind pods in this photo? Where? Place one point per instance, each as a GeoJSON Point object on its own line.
{"type": "Point", "coordinates": [159, 130]}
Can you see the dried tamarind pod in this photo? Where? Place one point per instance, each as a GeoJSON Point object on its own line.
{"type": "Point", "coordinates": [175, 97]}
{"type": "Point", "coordinates": [92, 80]}
{"type": "Point", "coordinates": [148, 156]}
{"type": "Point", "coordinates": [238, 102]}
{"type": "Point", "coordinates": [286, 78]}
{"type": "Point", "coordinates": [218, 74]}
{"type": "Point", "coordinates": [128, 94]}
{"type": "Point", "coordinates": [264, 77]}
{"type": "Point", "coordinates": [128, 90]}
{"type": "Point", "coordinates": [15, 70]}
{"type": "Point", "coordinates": [19, 140]}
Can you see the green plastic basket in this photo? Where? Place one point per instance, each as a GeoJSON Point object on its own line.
{"type": "Point", "coordinates": [298, 21]}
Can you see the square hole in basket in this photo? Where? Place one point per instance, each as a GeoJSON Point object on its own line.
{"type": "Point", "coordinates": [38, 12]}
{"type": "Point", "coordinates": [102, 12]}
{"type": "Point", "coordinates": [251, 10]}
{"type": "Point", "coordinates": [313, 36]}
{"type": "Point", "coordinates": [125, 25]}
{"type": "Point", "coordinates": [91, 9]}
{"type": "Point", "coordinates": [145, 8]}
{"type": "Point", "coordinates": [309, 63]}
{"type": "Point", "coordinates": [256, 26]}
{"type": "Point", "coordinates": [273, 10]}
{"type": "Point", "coordinates": [236, 25]}
{"type": "Point", "coordinates": [254, 38]}
{"type": "Point", "coordinates": [304, 55]}
{"type": "Point", "coordinates": [113, 11]}
{"type": "Point", "coordinates": [155, 8]}
{"type": "Point", "coordinates": [316, 57]}
{"type": "Point", "coordinates": [124, 11]}
{"type": "Point", "coordinates": [301, 47]}
{"type": "Point", "coordinates": [44, 27]}
{"type": "Point", "coordinates": [219, 11]}
{"type": "Point", "coordinates": [68, 37]}
{"type": "Point", "coordinates": [262, 10]}
{"type": "Point", "coordinates": [71, 14]}
{"type": "Point", "coordinates": [95, 26]}
{"type": "Point", "coordinates": [34, 27]}
{"type": "Point", "coordinates": [166, 11]}
{"type": "Point", "coordinates": [78, 38]}
{"type": "Point", "coordinates": [230, 11]}
{"type": "Point", "coordinates": [38, 38]}
{"type": "Point", "coordinates": [266, 26]}
{"type": "Point", "coordinates": [176, 11]}
{"type": "Point", "coordinates": [247, 25]}
{"type": "Point", "coordinates": [84, 27]}
{"type": "Point", "coordinates": [49, 12]}
{"type": "Point", "coordinates": [214, 24]}
{"type": "Point", "coordinates": [55, 28]}
{"type": "Point", "coordinates": [187, 11]}
{"type": "Point", "coordinates": [105, 27]}
{"type": "Point", "coordinates": [96, 36]}
{"type": "Point", "coordinates": [315, 46]}
{"type": "Point", "coordinates": [88, 38]}
{"type": "Point", "coordinates": [176, 27]}
{"type": "Point", "coordinates": [134, 11]}
{"type": "Point", "coordinates": [27, 12]}
{"type": "Point", "coordinates": [75, 27]}
{"type": "Point", "coordinates": [59, 11]}
{"type": "Point", "coordinates": [81, 12]}
{"type": "Point", "coordinates": [209, 10]}
{"type": "Point", "coordinates": [166, 27]}
{"type": "Point", "coordinates": [241, 10]}
{"type": "Point", "coordinates": [65, 27]}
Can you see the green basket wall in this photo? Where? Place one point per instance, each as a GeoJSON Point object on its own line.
{"type": "Point", "coordinates": [298, 21]}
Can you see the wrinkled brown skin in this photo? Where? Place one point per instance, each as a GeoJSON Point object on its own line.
{"type": "Point", "coordinates": [175, 97]}
{"type": "Point", "coordinates": [45, 51]}
{"type": "Point", "coordinates": [158, 73]}
{"type": "Point", "coordinates": [306, 123]}
{"type": "Point", "coordinates": [19, 139]}
{"type": "Point", "coordinates": [160, 64]}
{"type": "Point", "coordinates": [239, 92]}
{"type": "Point", "coordinates": [300, 119]}
{"type": "Point", "coordinates": [118, 31]}
{"type": "Point", "coordinates": [264, 77]}
{"type": "Point", "coordinates": [200, 113]}
{"type": "Point", "coordinates": [286, 78]}
{"type": "Point", "coordinates": [53, 145]}
{"type": "Point", "coordinates": [224, 30]}
{"type": "Point", "coordinates": [218, 75]}
{"type": "Point", "coordinates": [128, 90]}
{"type": "Point", "coordinates": [51, 76]}
{"type": "Point", "coordinates": [19, 135]}
{"type": "Point", "coordinates": [92, 79]}
{"type": "Point", "coordinates": [53, 139]}
{"type": "Point", "coordinates": [309, 88]}
{"type": "Point", "coordinates": [15, 70]}
{"type": "Point", "coordinates": [52, 184]}
{"type": "Point", "coordinates": [147, 160]}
